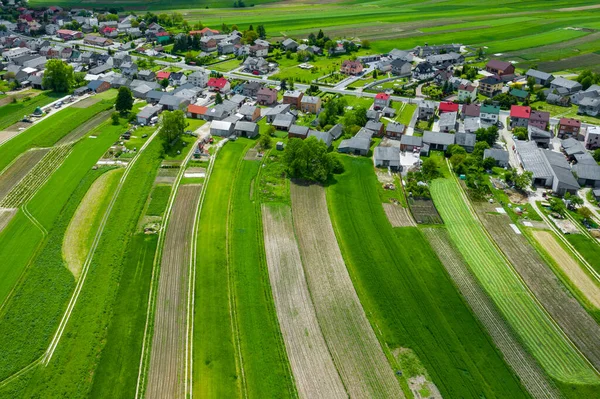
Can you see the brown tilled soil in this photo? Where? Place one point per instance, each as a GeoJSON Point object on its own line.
{"type": "Point", "coordinates": [19, 169]}
{"type": "Point", "coordinates": [88, 102]}
{"type": "Point", "coordinates": [167, 360]}
{"type": "Point", "coordinates": [570, 267]}
{"type": "Point", "coordinates": [522, 363]}
{"type": "Point", "coordinates": [398, 216]}
{"type": "Point", "coordinates": [579, 326]}
{"type": "Point", "coordinates": [251, 155]}
{"type": "Point", "coordinates": [312, 365]}
{"type": "Point", "coordinates": [6, 215]}
{"type": "Point", "coordinates": [356, 352]}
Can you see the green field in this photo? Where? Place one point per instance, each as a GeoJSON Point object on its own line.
{"type": "Point", "coordinates": [540, 336]}
{"type": "Point", "coordinates": [14, 112]}
{"type": "Point", "coordinates": [158, 200]}
{"type": "Point", "coordinates": [407, 294]}
{"type": "Point", "coordinates": [587, 248]}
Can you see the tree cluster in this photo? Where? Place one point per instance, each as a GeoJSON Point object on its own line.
{"type": "Point", "coordinates": [521, 133]}
{"type": "Point", "coordinates": [318, 40]}
{"type": "Point", "coordinates": [521, 181]}
{"type": "Point", "coordinates": [173, 125]}
{"type": "Point", "coordinates": [489, 135]}
{"type": "Point", "coordinates": [124, 101]}
{"type": "Point", "coordinates": [353, 120]}
{"type": "Point", "coordinates": [58, 76]}
{"type": "Point", "coordinates": [332, 110]}
{"type": "Point", "coordinates": [588, 78]}
{"type": "Point", "coordinates": [505, 100]}
{"type": "Point", "coordinates": [309, 160]}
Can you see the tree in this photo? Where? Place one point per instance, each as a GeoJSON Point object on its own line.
{"type": "Point", "coordinates": [489, 163]}
{"type": "Point", "coordinates": [115, 118]}
{"type": "Point", "coordinates": [558, 206]}
{"type": "Point", "coordinates": [522, 181]}
{"type": "Point", "coordinates": [521, 133]}
{"type": "Point", "coordinates": [480, 53]}
{"type": "Point", "coordinates": [265, 141]}
{"type": "Point", "coordinates": [374, 73]}
{"type": "Point", "coordinates": [585, 212]}
{"type": "Point", "coordinates": [249, 36]}
{"type": "Point", "coordinates": [489, 135]}
{"type": "Point", "coordinates": [262, 32]}
{"type": "Point", "coordinates": [480, 147]}
{"type": "Point", "coordinates": [124, 101]}
{"type": "Point", "coordinates": [365, 44]}
{"type": "Point", "coordinates": [218, 99]}
{"type": "Point", "coordinates": [283, 85]}
{"type": "Point", "coordinates": [58, 76]}
{"type": "Point", "coordinates": [587, 82]}
{"type": "Point", "coordinates": [309, 160]}
{"type": "Point", "coordinates": [164, 83]}
{"type": "Point", "coordinates": [173, 124]}
{"type": "Point", "coordinates": [430, 169]}
{"type": "Point", "coordinates": [597, 154]}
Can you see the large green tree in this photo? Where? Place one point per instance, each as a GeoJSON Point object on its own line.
{"type": "Point", "coordinates": [173, 125]}
{"type": "Point", "coordinates": [309, 160]}
{"type": "Point", "coordinates": [58, 76]}
{"type": "Point", "coordinates": [124, 101]}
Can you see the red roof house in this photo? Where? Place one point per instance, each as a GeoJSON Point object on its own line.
{"type": "Point", "coordinates": [519, 116]}
{"type": "Point", "coordinates": [446, 106]}
{"type": "Point", "coordinates": [218, 84]}
{"type": "Point", "coordinates": [196, 111]}
{"type": "Point", "coordinates": [163, 75]}
{"type": "Point", "coordinates": [382, 100]}
{"type": "Point", "coordinates": [205, 32]}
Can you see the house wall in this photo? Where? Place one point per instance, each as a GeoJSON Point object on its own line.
{"type": "Point", "coordinates": [519, 122]}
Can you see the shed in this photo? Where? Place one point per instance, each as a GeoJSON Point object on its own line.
{"type": "Point", "coordinates": [246, 129]}
{"type": "Point", "coordinates": [500, 156]}
{"type": "Point", "coordinates": [221, 128]}
{"type": "Point", "coordinates": [387, 157]}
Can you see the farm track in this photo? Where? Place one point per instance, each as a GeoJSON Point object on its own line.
{"type": "Point", "coordinates": [17, 170]}
{"type": "Point", "coordinates": [6, 215]}
{"type": "Point", "coordinates": [581, 328]}
{"type": "Point", "coordinates": [313, 368]}
{"type": "Point", "coordinates": [354, 347]}
{"type": "Point", "coordinates": [167, 360]}
{"type": "Point", "coordinates": [521, 362]}
{"type": "Point", "coordinates": [36, 177]}
{"type": "Point", "coordinates": [84, 128]}
{"type": "Point", "coordinates": [569, 266]}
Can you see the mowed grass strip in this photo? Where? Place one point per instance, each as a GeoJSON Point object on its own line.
{"type": "Point", "coordinates": [82, 229]}
{"type": "Point", "coordinates": [70, 372]}
{"type": "Point", "coordinates": [14, 112]}
{"type": "Point", "coordinates": [541, 337]}
{"type": "Point", "coordinates": [408, 295]}
{"type": "Point", "coordinates": [166, 374]}
{"type": "Point", "coordinates": [158, 200]}
{"type": "Point", "coordinates": [314, 371]}
{"type": "Point", "coordinates": [357, 354]}
{"type": "Point", "coordinates": [215, 373]}
{"type": "Point", "coordinates": [586, 248]}
{"type": "Point", "coordinates": [266, 368]}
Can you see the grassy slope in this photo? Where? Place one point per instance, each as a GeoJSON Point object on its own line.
{"type": "Point", "coordinates": [265, 362]}
{"type": "Point", "coordinates": [13, 112]}
{"type": "Point", "coordinates": [587, 248]}
{"type": "Point", "coordinates": [408, 295]}
{"type": "Point", "coordinates": [76, 358]}
{"type": "Point", "coordinates": [533, 327]}
{"type": "Point", "coordinates": [215, 373]}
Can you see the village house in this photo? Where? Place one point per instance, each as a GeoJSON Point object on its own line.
{"type": "Point", "coordinates": [442, 76]}
{"type": "Point", "coordinates": [259, 51]}
{"type": "Point", "coordinates": [466, 140]}
{"type": "Point", "coordinates": [470, 111]}
{"type": "Point", "coordinates": [98, 86]}
{"type": "Point", "coordinates": [424, 71]}
{"type": "Point", "coordinates": [539, 136]}
{"type": "Point", "coordinates": [569, 127]}
{"type": "Point", "coordinates": [198, 79]}
{"type": "Point", "coordinates": [519, 116]}
{"type": "Point", "coordinates": [147, 113]}
{"type": "Point", "coordinates": [246, 129]}
{"type": "Point", "coordinates": [467, 93]}
{"type": "Point", "coordinates": [451, 58]}
{"type": "Point", "coordinates": [447, 122]}
{"type": "Point", "coordinates": [589, 106]}
{"type": "Point", "coordinates": [67, 34]}
{"type": "Point", "coordinates": [410, 143]}
{"type": "Point", "coordinates": [266, 96]}
{"type": "Point", "coordinates": [256, 65]}
{"type": "Point", "coordinates": [350, 67]}
{"type": "Point", "coordinates": [283, 121]}
{"type": "Point", "coordinates": [471, 125]}
{"type": "Point", "coordinates": [490, 114]}
{"type": "Point", "coordinates": [272, 113]}
{"type": "Point", "coordinates": [399, 67]}
{"type": "Point", "coordinates": [221, 128]}
{"type": "Point", "coordinates": [394, 130]}
{"type": "Point", "coordinates": [490, 86]}
{"type": "Point", "coordinates": [220, 85]}
{"type": "Point", "coordinates": [289, 45]}
{"type": "Point", "coordinates": [310, 104]}
{"type": "Point", "coordinates": [298, 132]}
{"type": "Point", "coordinates": [500, 68]}
{"type": "Point", "coordinates": [500, 156]}
{"type": "Point", "coordinates": [437, 140]}
{"type": "Point", "coordinates": [225, 47]}
{"type": "Point", "coordinates": [565, 85]}
{"type": "Point", "coordinates": [293, 98]}
{"type": "Point", "coordinates": [382, 100]}
{"type": "Point", "coordinates": [541, 78]}
{"type": "Point", "coordinates": [250, 113]}
{"type": "Point", "coordinates": [196, 111]}
{"type": "Point", "coordinates": [376, 127]}
{"type": "Point", "coordinates": [592, 137]}
{"type": "Point", "coordinates": [426, 110]}
{"type": "Point", "coordinates": [447, 106]}
{"type": "Point", "coordinates": [387, 157]}
{"type": "Point", "coordinates": [539, 119]}
{"type": "Point", "coordinates": [208, 44]}
{"type": "Point", "coordinates": [360, 144]}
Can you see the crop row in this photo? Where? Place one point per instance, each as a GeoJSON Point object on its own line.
{"type": "Point", "coordinates": [540, 335]}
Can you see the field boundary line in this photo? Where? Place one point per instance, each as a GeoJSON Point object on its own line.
{"type": "Point", "coordinates": [144, 360]}
{"type": "Point", "coordinates": [34, 220]}
{"type": "Point", "coordinates": [517, 275]}
{"type": "Point", "coordinates": [192, 275]}
{"type": "Point", "coordinates": [75, 296]}
{"type": "Point", "coordinates": [19, 373]}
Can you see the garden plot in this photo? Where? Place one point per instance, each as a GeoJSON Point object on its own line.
{"type": "Point", "coordinates": [167, 360]}
{"type": "Point", "coordinates": [309, 357]}
{"type": "Point", "coordinates": [6, 215]}
{"type": "Point", "coordinates": [588, 287]}
{"type": "Point", "coordinates": [557, 355]}
{"type": "Point", "coordinates": [354, 347]}
{"type": "Point", "coordinates": [87, 102]}
{"type": "Point", "coordinates": [424, 211]}
{"type": "Point", "coordinates": [12, 175]}
{"type": "Point", "coordinates": [398, 215]}
{"type": "Point", "coordinates": [521, 362]}
{"type": "Point", "coordinates": [82, 229]}
{"type": "Point", "coordinates": [564, 308]}
{"type": "Point", "coordinates": [37, 176]}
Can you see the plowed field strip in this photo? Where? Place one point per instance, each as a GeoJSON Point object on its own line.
{"type": "Point", "coordinates": [6, 215]}
{"type": "Point", "coordinates": [167, 361]}
{"type": "Point", "coordinates": [522, 363]}
{"type": "Point", "coordinates": [85, 128]}
{"type": "Point", "coordinates": [398, 216]}
{"type": "Point", "coordinates": [581, 328]}
{"type": "Point", "coordinates": [311, 362]}
{"type": "Point", "coordinates": [356, 352]}
{"type": "Point", "coordinates": [12, 175]}
{"type": "Point", "coordinates": [569, 266]}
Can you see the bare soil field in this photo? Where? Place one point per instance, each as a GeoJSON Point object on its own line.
{"type": "Point", "coordinates": [85, 128]}
{"type": "Point", "coordinates": [424, 211]}
{"type": "Point", "coordinates": [522, 363]}
{"type": "Point", "coordinates": [167, 360]}
{"type": "Point", "coordinates": [313, 368]}
{"type": "Point", "coordinates": [251, 155]}
{"type": "Point", "coordinates": [166, 175]}
{"type": "Point", "coordinates": [398, 216]}
{"type": "Point", "coordinates": [6, 215]}
{"type": "Point", "coordinates": [88, 102]}
{"type": "Point", "coordinates": [569, 266]}
{"type": "Point", "coordinates": [582, 61]}
{"type": "Point", "coordinates": [570, 315]}
{"type": "Point", "coordinates": [354, 347]}
{"type": "Point", "coordinates": [19, 169]}
{"type": "Point", "coordinates": [80, 232]}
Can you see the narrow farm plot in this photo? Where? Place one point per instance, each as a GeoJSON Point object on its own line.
{"type": "Point", "coordinates": [398, 215]}
{"type": "Point", "coordinates": [522, 363]}
{"type": "Point", "coordinates": [85, 127]}
{"type": "Point", "coordinates": [570, 315]}
{"type": "Point", "coordinates": [82, 229]}
{"type": "Point", "coordinates": [542, 337]}
{"type": "Point", "coordinates": [354, 347]}
{"type": "Point", "coordinates": [6, 215]}
{"type": "Point", "coordinates": [166, 375]}
{"type": "Point", "coordinates": [313, 368]}
{"type": "Point", "coordinates": [13, 174]}
{"type": "Point", "coordinates": [573, 270]}
{"type": "Point", "coordinates": [37, 176]}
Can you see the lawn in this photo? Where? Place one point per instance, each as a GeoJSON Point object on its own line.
{"type": "Point", "coordinates": [178, 151]}
{"type": "Point", "coordinates": [557, 356]}
{"type": "Point", "coordinates": [225, 66]}
{"type": "Point", "coordinates": [266, 368]}
{"type": "Point", "coordinates": [586, 248]}
{"type": "Point", "coordinates": [408, 295]}
{"type": "Point", "coordinates": [158, 200]}
{"type": "Point", "coordinates": [14, 112]}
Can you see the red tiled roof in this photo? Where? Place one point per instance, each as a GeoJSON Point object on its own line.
{"type": "Point", "coordinates": [203, 31]}
{"type": "Point", "coordinates": [446, 106]}
{"type": "Point", "coordinates": [159, 34]}
{"type": "Point", "coordinates": [497, 64]}
{"type": "Point", "coordinates": [520, 111]}
{"type": "Point", "coordinates": [107, 29]}
{"type": "Point", "coordinates": [382, 96]}
{"type": "Point", "coordinates": [469, 88]}
{"type": "Point", "coordinates": [217, 82]}
{"type": "Point", "coordinates": [570, 122]}
{"type": "Point", "coordinates": [66, 32]}
{"type": "Point", "coordinates": [540, 116]}
{"type": "Point", "coordinates": [163, 75]}
{"type": "Point", "coordinates": [197, 109]}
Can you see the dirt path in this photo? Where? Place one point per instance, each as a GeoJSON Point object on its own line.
{"type": "Point", "coordinates": [354, 347]}
{"type": "Point", "coordinates": [398, 216]}
{"type": "Point", "coordinates": [577, 324]}
{"type": "Point", "coordinates": [570, 267]}
{"type": "Point", "coordinates": [522, 363]}
{"type": "Point", "coordinates": [313, 368]}
{"type": "Point", "coordinates": [15, 172]}
{"type": "Point", "coordinates": [166, 375]}
{"type": "Point", "coordinates": [6, 215]}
